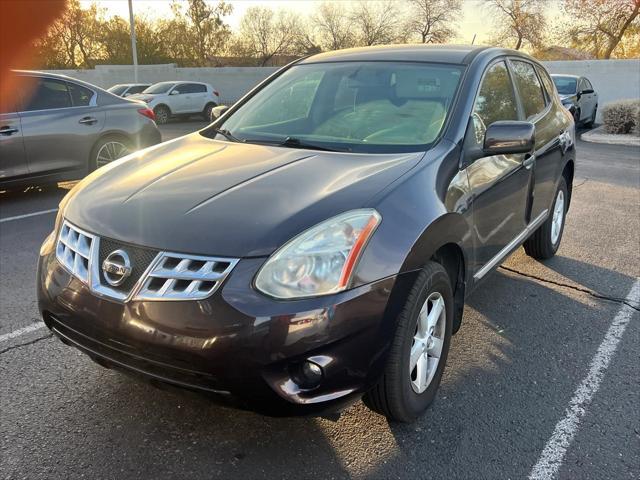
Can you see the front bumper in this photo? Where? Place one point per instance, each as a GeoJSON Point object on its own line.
{"type": "Point", "coordinates": [237, 345]}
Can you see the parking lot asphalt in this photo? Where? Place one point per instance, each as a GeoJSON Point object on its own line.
{"type": "Point", "coordinates": [545, 369]}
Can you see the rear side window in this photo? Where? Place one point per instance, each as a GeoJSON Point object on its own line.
{"type": "Point", "coordinates": [529, 88]}
{"type": "Point", "coordinates": [496, 100]}
{"type": "Point", "coordinates": [80, 96]}
{"type": "Point", "coordinates": [197, 88]}
{"type": "Point", "coordinates": [546, 81]}
{"type": "Point", "coordinates": [137, 89]}
{"type": "Point", "coordinates": [49, 94]}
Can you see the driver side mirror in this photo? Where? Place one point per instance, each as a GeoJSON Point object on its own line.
{"type": "Point", "coordinates": [509, 137]}
{"type": "Point", "coordinates": [505, 137]}
{"type": "Point", "coordinates": [175, 92]}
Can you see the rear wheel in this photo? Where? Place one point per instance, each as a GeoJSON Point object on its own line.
{"type": "Point", "coordinates": [546, 239]}
{"type": "Point", "coordinates": [206, 113]}
{"type": "Point", "coordinates": [162, 113]}
{"type": "Point", "coordinates": [107, 150]}
{"type": "Point", "coordinates": [419, 350]}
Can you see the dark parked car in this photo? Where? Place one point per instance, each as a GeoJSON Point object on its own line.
{"type": "Point", "coordinates": [63, 128]}
{"type": "Point", "coordinates": [126, 89]}
{"type": "Point", "coordinates": [579, 97]}
{"type": "Point", "coordinates": [317, 243]}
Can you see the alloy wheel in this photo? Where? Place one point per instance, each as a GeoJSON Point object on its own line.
{"type": "Point", "coordinates": [428, 341]}
{"type": "Point", "coordinates": [109, 152]}
{"type": "Point", "coordinates": [558, 218]}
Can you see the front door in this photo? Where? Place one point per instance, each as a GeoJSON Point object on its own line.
{"type": "Point", "coordinates": [500, 184]}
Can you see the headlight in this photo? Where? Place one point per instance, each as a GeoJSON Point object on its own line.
{"type": "Point", "coordinates": [319, 261]}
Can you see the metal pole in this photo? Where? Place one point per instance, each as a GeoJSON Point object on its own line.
{"type": "Point", "coordinates": [472, 41]}
{"type": "Point", "coordinates": [134, 48]}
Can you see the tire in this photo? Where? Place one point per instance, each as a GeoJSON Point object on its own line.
{"type": "Point", "coordinates": [162, 113]}
{"type": "Point", "coordinates": [206, 113]}
{"type": "Point", "coordinates": [576, 118]}
{"type": "Point", "coordinates": [396, 395]}
{"type": "Point", "coordinates": [108, 149]}
{"type": "Point", "coordinates": [592, 120]}
{"type": "Point", "coordinates": [544, 242]}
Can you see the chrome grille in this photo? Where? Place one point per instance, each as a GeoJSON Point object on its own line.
{"type": "Point", "coordinates": [154, 276]}
{"type": "Point", "coordinates": [176, 276]}
{"type": "Point", "coordinates": [73, 250]}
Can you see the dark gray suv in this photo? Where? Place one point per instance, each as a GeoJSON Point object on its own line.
{"type": "Point", "coordinates": [62, 129]}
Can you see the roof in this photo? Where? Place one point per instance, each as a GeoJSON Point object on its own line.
{"type": "Point", "coordinates": [459, 54]}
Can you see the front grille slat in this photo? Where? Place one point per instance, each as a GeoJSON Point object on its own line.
{"type": "Point", "coordinates": [154, 275]}
{"type": "Point", "coordinates": [73, 250]}
{"type": "Point", "coordinates": [186, 277]}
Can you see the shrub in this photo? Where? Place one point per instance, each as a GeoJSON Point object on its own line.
{"type": "Point", "coordinates": [622, 116]}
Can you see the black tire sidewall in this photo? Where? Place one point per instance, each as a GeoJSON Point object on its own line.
{"type": "Point", "coordinates": [415, 403]}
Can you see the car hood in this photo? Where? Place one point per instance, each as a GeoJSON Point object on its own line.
{"type": "Point", "coordinates": [203, 196]}
{"type": "Point", "coordinates": [144, 97]}
{"type": "Point", "coordinates": [567, 97]}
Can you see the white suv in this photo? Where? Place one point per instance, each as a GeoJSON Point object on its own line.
{"type": "Point", "coordinates": [179, 98]}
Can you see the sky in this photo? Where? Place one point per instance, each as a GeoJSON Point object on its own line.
{"type": "Point", "coordinates": [476, 19]}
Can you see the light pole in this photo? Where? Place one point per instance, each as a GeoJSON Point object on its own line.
{"type": "Point", "coordinates": [134, 49]}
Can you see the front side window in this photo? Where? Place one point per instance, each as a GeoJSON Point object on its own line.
{"type": "Point", "coordinates": [496, 100]}
{"type": "Point", "coordinates": [587, 84]}
{"type": "Point", "coordinates": [529, 88]}
{"type": "Point", "coordinates": [49, 94]}
{"type": "Point", "coordinates": [80, 96]}
{"type": "Point", "coordinates": [371, 107]}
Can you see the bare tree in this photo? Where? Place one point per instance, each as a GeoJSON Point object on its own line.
{"type": "Point", "coordinates": [519, 22]}
{"type": "Point", "coordinates": [209, 31]}
{"type": "Point", "coordinates": [434, 20]}
{"type": "Point", "coordinates": [601, 25]}
{"type": "Point", "coordinates": [332, 24]}
{"type": "Point", "coordinates": [264, 33]}
{"type": "Point", "coordinates": [375, 22]}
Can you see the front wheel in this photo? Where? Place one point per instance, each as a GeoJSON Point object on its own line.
{"type": "Point", "coordinates": [544, 242]}
{"type": "Point", "coordinates": [592, 119]}
{"type": "Point", "coordinates": [419, 350]}
{"type": "Point", "coordinates": [207, 112]}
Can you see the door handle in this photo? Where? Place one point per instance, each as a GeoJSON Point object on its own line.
{"type": "Point", "coordinates": [8, 131]}
{"type": "Point", "coordinates": [529, 160]}
{"type": "Point", "coordinates": [87, 120]}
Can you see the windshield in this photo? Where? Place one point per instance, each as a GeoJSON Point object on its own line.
{"type": "Point", "coordinates": [117, 89]}
{"type": "Point", "coordinates": [162, 87]}
{"type": "Point", "coordinates": [565, 85]}
{"type": "Point", "coordinates": [373, 107]}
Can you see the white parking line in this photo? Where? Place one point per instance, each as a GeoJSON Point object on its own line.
{"type": "Point", "coordinates": [21, 331]}
{"type": "Point", "coordinates": [556, 448]}
{"type": "Point", "coordinates": [27, 215]}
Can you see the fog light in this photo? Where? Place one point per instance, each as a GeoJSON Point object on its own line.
{"type": "Point", "coordinates": [307, 374]}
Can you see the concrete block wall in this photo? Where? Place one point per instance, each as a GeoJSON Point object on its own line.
{"type": "Point", "coordinates": [612, 79]}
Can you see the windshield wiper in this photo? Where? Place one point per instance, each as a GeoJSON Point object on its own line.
{"type": "Point", "coordinates": [227, 134]}
{"type": "Point", "coordinates": [297, 143]}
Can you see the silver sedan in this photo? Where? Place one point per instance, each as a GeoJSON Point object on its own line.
{"type": "Point", "coordinates": [63, 128]}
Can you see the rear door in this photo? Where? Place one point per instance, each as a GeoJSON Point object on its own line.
{"type": "Point", "coordinates": [198, 97]}
{"type": "Point", "coordinates": [60, 124]}
{"type": "Point", "coordinates": [500, 183]}
{"type": "Point", "coordinates": [13, 162]}
{"type": "Point", "coordinates": [540, 110]}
